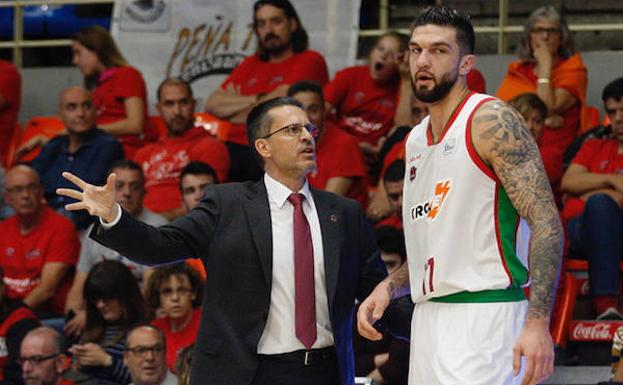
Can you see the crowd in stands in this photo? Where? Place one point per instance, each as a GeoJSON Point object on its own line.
{"type": "Point", "coordinates": [118, 317]}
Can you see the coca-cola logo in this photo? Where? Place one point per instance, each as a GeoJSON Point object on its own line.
{"type": "Point", "coordinates": [593, 331]}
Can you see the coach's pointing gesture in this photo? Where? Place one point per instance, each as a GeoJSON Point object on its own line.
{"type": "Point", "coordinates": [97, 200]}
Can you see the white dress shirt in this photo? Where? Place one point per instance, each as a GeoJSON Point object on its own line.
{"type": "Point", "coordinates": [279, 333]}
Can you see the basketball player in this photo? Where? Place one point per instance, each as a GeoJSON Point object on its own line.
{"type": "Point", "coordinates": [475, 195]}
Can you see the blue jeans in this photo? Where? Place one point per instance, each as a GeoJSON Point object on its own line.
{"type": "Point", "coordinates": [597, 236]}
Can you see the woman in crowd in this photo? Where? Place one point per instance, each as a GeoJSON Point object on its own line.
{"type": "Point", "coordinates": [114, 305]}
{"type": "Point", "coordinates": [176, 291]}
{"type": "Point", "coordinates": [119, 91]}
{"type": "Point", "coordinates": [550, 67]}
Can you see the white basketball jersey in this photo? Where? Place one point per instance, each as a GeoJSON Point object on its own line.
{"type": "Point", "coordinates": [465, 241]}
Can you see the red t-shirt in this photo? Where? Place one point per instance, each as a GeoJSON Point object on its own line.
{"type": "Point", "coordinates": [162, 163]}
{"type": "Point", "coordinates": [22, 257]}
{"type": "Point", "coordinates": [254, 76]}
{"type": "Point", "coordinates": [114, 86]}
{"type": "Point", "coordinates": [176, 341]}
{"type": "Point", "coordinates": [600, 156]}
{"type": "Point", "coordinates": [338, 154]}
{"type": "Point", "coordinates": [363, 107]}
{"type": "Point", "coordinates": [11, 91]}
{"type": "Point", "coordinates": [476, 82]}
{"type": "Point", "coordinates": [552, 163]}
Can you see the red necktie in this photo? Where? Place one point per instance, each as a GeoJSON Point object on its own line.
{"type": "Point", "coordinates": [304, 289]}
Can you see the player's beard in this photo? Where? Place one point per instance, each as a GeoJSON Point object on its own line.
{"type": "Point", "coordinates": [438, 92]}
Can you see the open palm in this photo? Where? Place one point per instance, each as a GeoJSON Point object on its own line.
{"type": "Point", "coordinates": [97, 200]}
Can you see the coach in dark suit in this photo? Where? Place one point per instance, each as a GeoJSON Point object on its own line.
{"type": "Point", "coordinates": [285, 262]}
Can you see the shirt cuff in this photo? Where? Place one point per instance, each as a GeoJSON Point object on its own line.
{"type": "Point", "coordinates": [108, 225]}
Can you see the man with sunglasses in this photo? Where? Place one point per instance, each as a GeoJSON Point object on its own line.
{"type": "Point", "coordinates": [145, 357]}
{"type": "Point", "coordinates": [42, 358]}
{"type": "Point", "coordinates": [285, 261]}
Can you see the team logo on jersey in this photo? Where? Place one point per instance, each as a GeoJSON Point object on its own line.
{"type": "Point", "coordinates": [449, 147]}
{"type": "Point", "coordinates": [431, 208]}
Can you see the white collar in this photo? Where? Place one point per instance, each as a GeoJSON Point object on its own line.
{"type": "Point", "coordinates": [279, 193]}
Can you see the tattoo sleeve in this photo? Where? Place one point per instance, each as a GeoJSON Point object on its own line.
{"type": "Point", "coordinates": [398, 282]}
{"type": "Point", "coordinates": [503, 141]}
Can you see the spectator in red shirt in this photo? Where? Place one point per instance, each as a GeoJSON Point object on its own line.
{"type": "Point", "coordinates": [38, 247]}
{"type": "Point", "coordinates": [282, 58]}
{"type": "Point", "coordinates": [594, 207]}
{"type": "Point", "coordinates": [534, 111]}
{"type": "Point", "coordinates": [10, 100]}
{"type": "Point", "coordinates": [340, 167]}
{"type": "Point", "coordinates": [364, 98]}
{"type": "Point", "coordinates": [42, 357]}
{"type": "Point", "coordinates": [119, 91]}
{"type": "Point", "coordinates": [176, 290]}
{"type": "Point", "coordinates": [163, 161]}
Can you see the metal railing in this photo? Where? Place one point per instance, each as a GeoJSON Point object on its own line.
{"type": "Point", "coordinates": [18, 26]}
{"type": "Point", "coordinates": [502, 29]}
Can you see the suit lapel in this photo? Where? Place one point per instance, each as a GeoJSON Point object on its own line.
{"type": "Point", "coordinates": [330, 227]}
{"type": "Point", "coordinates": [258, 218]}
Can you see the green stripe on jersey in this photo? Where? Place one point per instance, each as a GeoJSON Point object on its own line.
{"type": "Point", "coordinates": [508, 220]}
{"type": "Point", "coordinates": [484, 296]}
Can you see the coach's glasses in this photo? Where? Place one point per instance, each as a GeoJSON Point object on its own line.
{"type": "Point", "coordinates": [295, 130]}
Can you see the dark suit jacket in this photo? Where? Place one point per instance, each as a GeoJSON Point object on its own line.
{"type": "Point", "coordinates": [231, 231]}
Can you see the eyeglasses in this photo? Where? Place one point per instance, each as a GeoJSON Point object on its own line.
{"type": "Point", "coordinates": [36, 360]}
{"type": "Point", "coordinates": [295, 130]}
{"type": "Point", "coordinates": [549, 31]}
{"type": "Point", "coordinates": [31, 188]}
{"type": "Point", "coordinates": [179, 291]}
{"type": "Point", "coordinates": [143, 350]}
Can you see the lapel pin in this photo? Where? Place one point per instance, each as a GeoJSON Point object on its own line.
{"type": "Point", "coordinates": [333, 218]}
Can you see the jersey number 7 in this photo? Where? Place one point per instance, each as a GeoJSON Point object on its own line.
{"type": "Point", "coordinates": [429, 271]}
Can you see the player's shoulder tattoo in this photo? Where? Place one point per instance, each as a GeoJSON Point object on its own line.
{"type": "Point", "coordinates": [504, 133]}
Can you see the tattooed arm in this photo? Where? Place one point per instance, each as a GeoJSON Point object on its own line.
{"type": "Point", "coordinates": [502, 140]}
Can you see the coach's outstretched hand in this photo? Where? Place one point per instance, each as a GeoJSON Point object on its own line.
{"type": "Point", "coordinates": [97, 200]}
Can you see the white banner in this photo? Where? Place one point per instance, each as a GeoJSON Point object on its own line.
{"type": "Point", "coordinates": [203, 40]}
